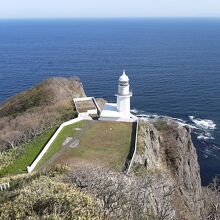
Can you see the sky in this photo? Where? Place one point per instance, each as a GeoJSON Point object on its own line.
{"type": "Point", "coordinates": [108, 8]}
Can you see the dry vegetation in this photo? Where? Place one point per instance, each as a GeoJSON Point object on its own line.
{"type": "Point", "coordinates": [30, 113]}
{"type": "Point", "coordinates": [126, 197]}
{"type": "Point", "coordinates": [85, 192]}
{"type": "Point", "coordinates": [145, 197]}
{"type": "Point", "coordinates": [96, 193]}
{"type": "Point", "coordinates": [211, 196]}
{"type": "Point", "coordinates": [46, 196]}
{"type": "Point", "coordinates": [85, 105]}
{"type": "Point", "coordinates": [101, 102]}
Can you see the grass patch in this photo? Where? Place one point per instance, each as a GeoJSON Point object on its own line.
{"type": "Point", "coordinates": [143, 171]}
{"type": "Point", "coordinates": [16, 105]}
{"type": "Point", "coordinates": [68, 131]}
{"type": "Point", "coordinates": [142, 129]}
{"type": "Point", "coordinates": [161, 125]}
{"type": "Point", "coordinates": [28, 153]}
{"type": "Point", "coordinates": [140, 170]}
{"type": "Point", "coordinates": [105, 143]}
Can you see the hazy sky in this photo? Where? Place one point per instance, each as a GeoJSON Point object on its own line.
{"type": "Point", "coordinates": [108, 8]}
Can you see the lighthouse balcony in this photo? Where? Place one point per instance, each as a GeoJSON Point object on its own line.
{"type": "Point", "coordinates": [125, 95]}
{"type": "Point", "coordinates": [123, 83]}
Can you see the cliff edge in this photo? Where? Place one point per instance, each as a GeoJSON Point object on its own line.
{"type": "Point", "coordinates": [165, 147]}
{"type": "Point", "coordinates": [164, 182]}
{"type": "Point", "coordinates": [29, 113]}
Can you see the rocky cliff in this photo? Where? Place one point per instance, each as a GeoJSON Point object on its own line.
{"type": "Point", "coordinates": [164, 182]}
{"type": "Point", "coordinates": [165, 148]}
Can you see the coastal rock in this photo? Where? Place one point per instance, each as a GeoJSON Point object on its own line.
{"type": "Point", "coordinates": [166, 147]}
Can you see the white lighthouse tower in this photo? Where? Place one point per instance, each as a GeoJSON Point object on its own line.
{"type": "Point", "coordinates": [119, 111]}
{"type": "Point", "coordinates": [123, 96]}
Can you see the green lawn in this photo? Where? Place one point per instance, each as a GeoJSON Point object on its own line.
{"type": "Point", "coordinates": [67, 131]}
{"type": "Point", "coordinates": [105, 143]}
{"type": "Point", "coordinates": [28, 153]}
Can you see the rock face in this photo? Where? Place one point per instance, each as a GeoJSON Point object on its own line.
{"type": "Point", "coordinates": [165, 147]}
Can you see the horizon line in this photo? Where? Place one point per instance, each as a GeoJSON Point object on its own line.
{"type": "Point", "coordinates": [92, 18]}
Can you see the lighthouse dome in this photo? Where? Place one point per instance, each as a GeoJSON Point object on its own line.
{"type": "Point", "coordinates": [123, 77]}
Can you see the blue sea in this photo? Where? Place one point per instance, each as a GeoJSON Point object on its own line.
{"type": "Point", "coordinates": [173, 65]}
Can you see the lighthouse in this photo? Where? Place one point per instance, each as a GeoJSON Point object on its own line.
{"type": "Point", "coordinates": [119, 111]}
{"type": "Point", "coordinates": [123, 96]}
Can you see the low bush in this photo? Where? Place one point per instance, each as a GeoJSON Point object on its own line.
{"type": "Point", "coordinates": [161, 125]}
{"type": "Point", "coordinates": [46, 197]}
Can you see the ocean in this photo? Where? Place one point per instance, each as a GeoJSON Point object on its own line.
{"type": "Point", "coordinates": [173, 66]}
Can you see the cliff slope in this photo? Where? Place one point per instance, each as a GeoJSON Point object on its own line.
{"type": "Point", "coordinates": [29, 113]}
{"type": "Point", "coordinates": [165, 147]}
{"type": "Point", "coordinates": [164, 182]}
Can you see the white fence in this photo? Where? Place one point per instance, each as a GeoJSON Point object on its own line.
{"type": "Point", "coordinates": [39, 157]}
{"type": "Point", "coordinates": [82, 99]}
{"type": "Point", "coordinates": [72, 121]}
{"type": "Point", "coordinates": [4, 186]}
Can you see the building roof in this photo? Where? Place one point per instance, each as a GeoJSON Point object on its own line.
{"type": "Point", "coordinates": [110, 111]}
{"type": "Point", "coordinates": [123, 77]}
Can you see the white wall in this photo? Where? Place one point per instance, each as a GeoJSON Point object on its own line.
{"type": "Point", "coordinates": [39, 157]}
{"type": "Point", "coordinates": [123, 105]}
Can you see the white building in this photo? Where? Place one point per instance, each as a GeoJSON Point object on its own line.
{"type": "Point", "coordinates": [119, 111]}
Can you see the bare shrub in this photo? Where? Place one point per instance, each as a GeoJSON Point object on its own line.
{"type": "Point", "coordinates": [211, 195]}
{"type": "Point", "coordinates": [127, 197]}
{"type": "Point", "coordinates": [30, 113]}
{"type": "Point", "coordinates": [44, 197]}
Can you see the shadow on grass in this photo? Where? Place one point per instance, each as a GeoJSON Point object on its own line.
{"type": "Point", "coordinates": [132, 147]}
{"type": "Point", "coordinates": [29, 153]}
{"type": "Point", "coordinates": [46, 141]}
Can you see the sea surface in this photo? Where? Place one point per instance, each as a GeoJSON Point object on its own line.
{"type": "Point", "coordinates": [173, 65]}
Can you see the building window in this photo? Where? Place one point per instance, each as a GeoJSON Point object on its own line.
{"type": "Point", "coordinates": [123, 83]}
